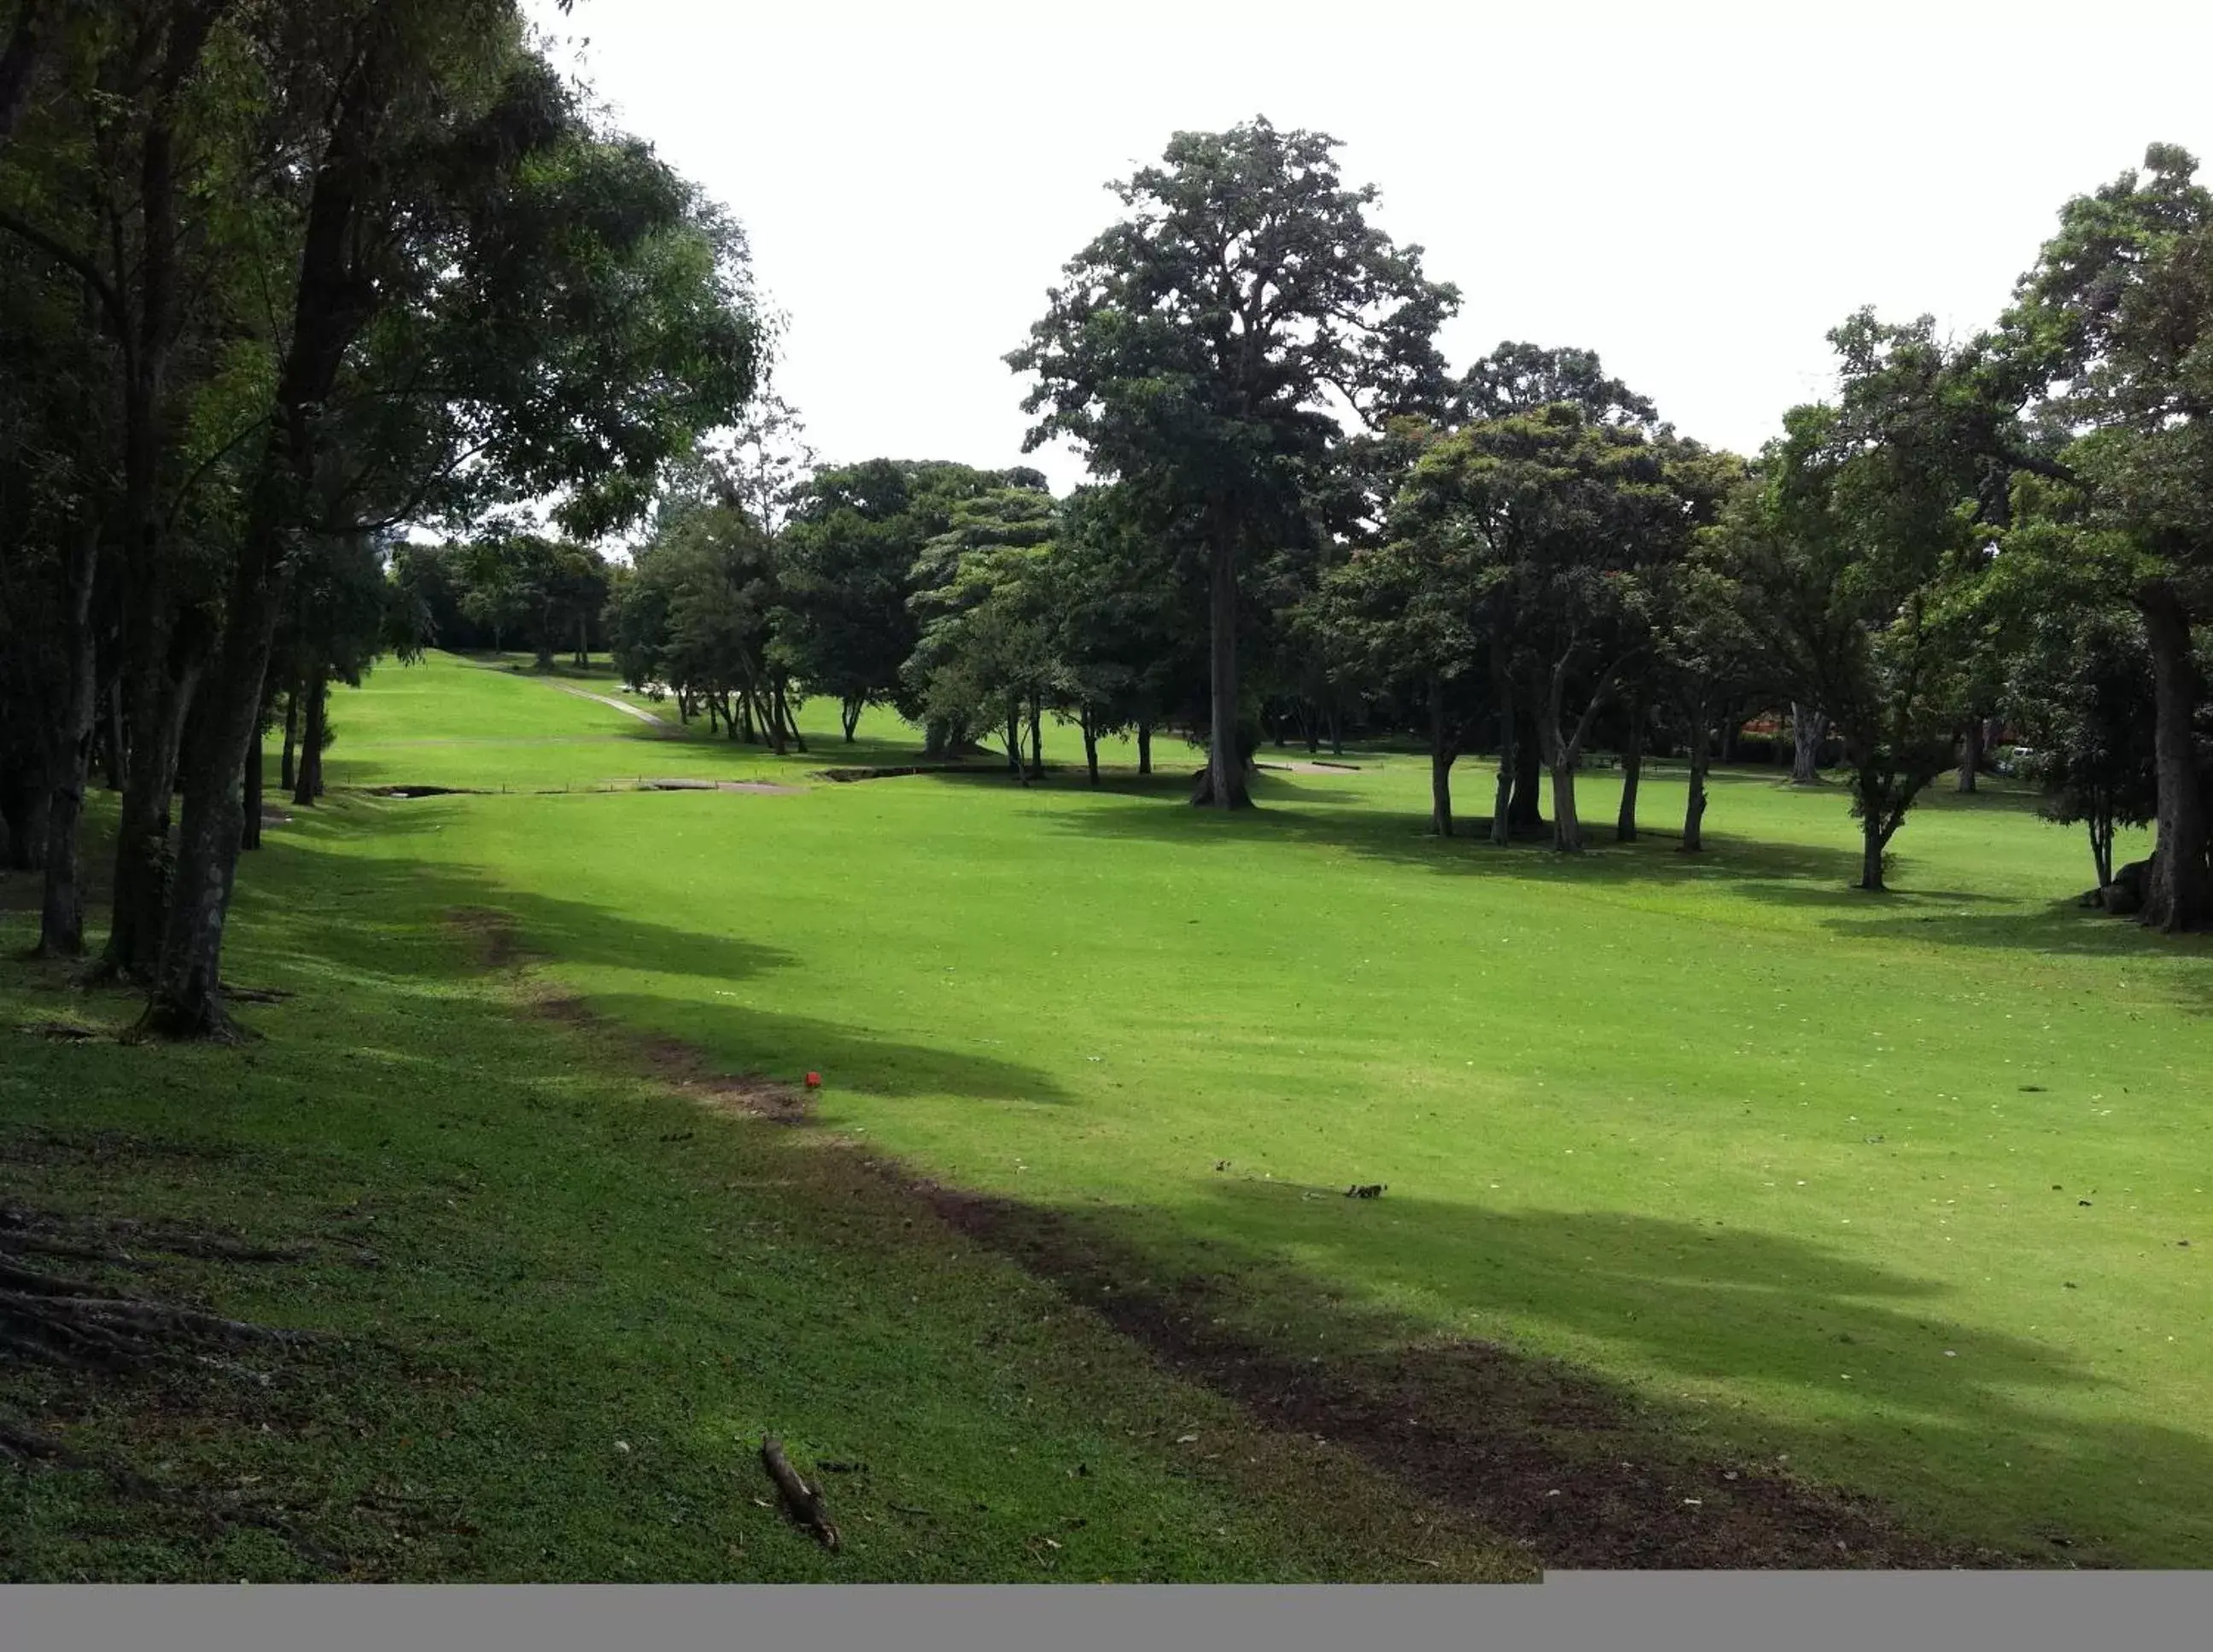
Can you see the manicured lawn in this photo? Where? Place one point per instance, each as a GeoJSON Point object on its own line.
{"type": "Point", "coordinates": [1892, 1191]}
{"type": "Point", "coordinates": [1896, 1187]}
{"type": "Point", "coordinates": [568, 1304]}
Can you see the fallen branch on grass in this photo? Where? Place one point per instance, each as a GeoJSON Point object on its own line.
{"type": "Point", "coordinates": [804, 1501]}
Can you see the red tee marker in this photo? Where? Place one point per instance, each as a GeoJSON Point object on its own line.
{"type": "Point", "coordinates": [813, 1080]}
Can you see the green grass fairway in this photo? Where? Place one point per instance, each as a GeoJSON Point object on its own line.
{"type": "Point", "coordinates": [1906, 1194]}
{"type": "Point", "coordinates": [569, 1304]}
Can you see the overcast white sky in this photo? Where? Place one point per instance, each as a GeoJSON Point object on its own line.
{"type": "Point", "coordinates": [1698, 200]}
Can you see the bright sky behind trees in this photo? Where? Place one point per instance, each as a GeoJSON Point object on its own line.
{"type": "Point", "coordinates": [1698, 199]}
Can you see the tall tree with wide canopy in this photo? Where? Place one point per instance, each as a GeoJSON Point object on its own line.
{"type": "Point", "coordinates": [1204, 349]}
{"type": "Point", "coordinates": [2113, 329]}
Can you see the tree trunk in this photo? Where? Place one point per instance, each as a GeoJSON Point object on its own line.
{"type": "Point", "coordinates": [848, 716]}
{"type": "Point", "coordinates": [1694, 812]}
{"type": "Point", "coordinates": [1808, 729]}
{"type": "Point", "coordinates": [788, 717]}
{"type": "Point", "coordinates": [250, 816]}
{"type": "Point", "coordinates": [139, 904]}
{"type": "Point", "coordinates": [1037, 739]}
{"type": "Point", "coordinates": [1872, 843]}
{"type": "Point", "coordinates": [1731, 723]}
{"type": "Point", "coordinates": [1567, 825]}
{"type": "Point", "coordinates": [26, 800]}
{"type": "Point", "coordinates": [1502, 806]}
{"type": "Point", "coordinates": [1442, 750]}
{"type": "Point", "coordinates": [1015, 742]}
{"type": "Point", "coordinates": [68, 756]}
{"type": "Point", "coordinates": [1224, 786]}
{"type": "Point", "coordinates": [327, 316]}
{"type": "Point", "coordinates": [1526, 813]}
{"type": "Point", "coordinates": [2099, 821]}
{"type": "Point", "coordinates": [308, 785]}
{"type": "Point", "coordinates": [2179, 893]}
{"type": "Point", "coordinates": [1632, 771]}
{"type": "Point", "coordinates": [1971, 754]}
{"type": "Point", "coordinates": [287, 775]}
{"type": "Point", "coordinates": [583, 641]}
{"type": "Point", "coordinates": [114, 754]}
{"type": "Point", "coordinates": [1144, 749]}
{"type": "Point", "coordinates": [1336, 731]}
{"type": "Point", "coordinates": [1091, 745]}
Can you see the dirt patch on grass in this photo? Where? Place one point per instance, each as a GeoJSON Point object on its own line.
{"type": "Point", "coordinates": [674, 1063]}
{"type": "Point", "coordinates": [760, 787]}
{"type": "Point", "coordinates": [846, 775]}
{"type": "Point", "coordinates": [1533, 1449]}
{"type": "Point", "coordinates": [493, 934]}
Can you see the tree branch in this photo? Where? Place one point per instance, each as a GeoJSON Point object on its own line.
{"type": "Point", "coordinates": [77, 263]}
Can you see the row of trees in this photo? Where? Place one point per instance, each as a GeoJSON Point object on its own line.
{"type": "Point", "coordinates": [279, 278]}
{"type": "Point", "coordinates": [1303, 518]}
{"type": "Point", "coordinates": [2007, 524]}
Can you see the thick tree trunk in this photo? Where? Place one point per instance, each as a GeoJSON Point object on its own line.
{"type": "Point", "coordinates": [68, 756]}
{"type": "Point", "coordinates": [1567, 825]}
{"type": "Point", "coordinates": [2180, 893]}
{"type": "Point", "coordinates": [1037, 739]}
{"type": "Point", "coordinates": [1091, 745]}
{"type": "Point", "coordinates": [1144, 749]}
{"type": "Point", "coordinates": [848, 716]}
{"type": "Point", "coordinates": [1694, 812]}
{"type": "Point", "coordinates": [1442, 750]}
{"type": "Point", "coordinates": [116, 748]}
{"type": "Point", "coordinates": [308, 782]}
{"type": "Point", "coordinates": [1526, 813]}
{"type": "Point", "coordinates": [1971, 754]}
{"type": "Point", "coordinates": [1808, 729]}
{"type": "Point", "coordinates": [1015, 743]}
{"type": "Point", "coordinates": [25, 800]}
{"type": "Point", "coordinates": [139, 906]}
{"type": "Point", "coordinates": [38, 25]}
{"type": "Point", "coordinates": [1224, 786]}
{"type": "Point", "coordinates": [1873, 842]}
{"type": "Point", "coordinates": [1632, 771]}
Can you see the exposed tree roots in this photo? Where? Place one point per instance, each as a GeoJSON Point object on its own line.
{"type": "Point", "coordinates": [53, 1319]}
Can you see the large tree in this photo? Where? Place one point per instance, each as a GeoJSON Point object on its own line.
{"type": "Point", "coordinates": [1205, 350]}
{"type": "Point", "coordinates": [1860, 558]}
{"type": "Point", "coordinates": [2113, 330]}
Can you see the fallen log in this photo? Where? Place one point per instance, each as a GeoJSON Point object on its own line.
{"type": "Point", "coordinates": [804, 1501]}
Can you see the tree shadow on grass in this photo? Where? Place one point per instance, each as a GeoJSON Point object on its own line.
{"type": "Point", "coordinates": [406, 919]}
{"type": "Point", "coordinates": [1578, 1466]}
